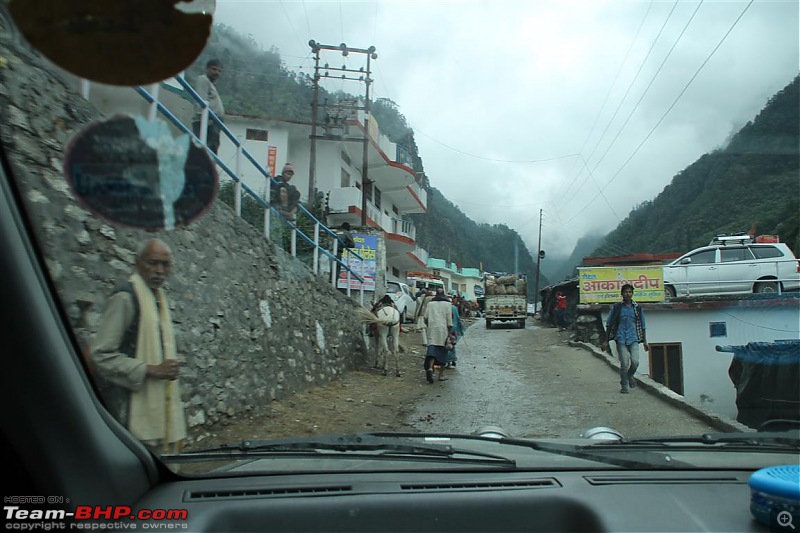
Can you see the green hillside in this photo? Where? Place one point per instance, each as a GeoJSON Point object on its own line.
{"type": "Point", "coordinates": [754, 179]}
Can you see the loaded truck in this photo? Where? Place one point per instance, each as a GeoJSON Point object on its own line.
{"type": "Point", "coordinates": [505, 299]}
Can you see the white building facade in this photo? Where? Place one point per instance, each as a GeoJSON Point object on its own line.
{"type": "Point", "coordinates": [684, 336]}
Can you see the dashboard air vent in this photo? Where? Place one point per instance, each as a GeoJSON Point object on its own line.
{"type": "Point", "coordinates": [211, 495]}
{"type": "Point", "coordinates": [658, 480]}
{"type": "Point", "coordinates": [524, 484]}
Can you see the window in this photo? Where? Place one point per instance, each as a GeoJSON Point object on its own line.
{"type": "Point", "coordinates": [345, 181]}
{"type": "Point", "coordinates": [666, 365]}
{"type": "Point", "coordinates": [717, 329]}
{"type": "Point", "coordinates": [735, 254]}
{"type": "Point", "coordinates": [396, 272]}
{"type": "Point", "coordinates": [253, 134]}
{"type": "Point", "coordinates": [377, 200]}
{"type": "Point", "coordinates": [346, 158]}
{"type": "Point", "coordinates": [703, 258]}
{"type": "Point", "coordinates": [766, 252]}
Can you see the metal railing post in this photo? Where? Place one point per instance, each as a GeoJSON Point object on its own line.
{"type": "Point", "coordinates": [315, 269]}
{"type": "Point", "coordinates": [237, 198]}
{"type": "Point", "coordinates": [334, 264]}
{"type": "Point", "coordinates": [152, 113]}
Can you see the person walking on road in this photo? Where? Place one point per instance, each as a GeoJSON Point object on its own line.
{"type": "Point", "coordinates": [625, 324]}
{"type": "Point", "coordinates": [456, 332]}
{"type": "Point", "coordinates": [439, 316]}
{"type": "Point", "coordinates": [423, 300]}
{"type": "Point", "coordinates": [561, 311]}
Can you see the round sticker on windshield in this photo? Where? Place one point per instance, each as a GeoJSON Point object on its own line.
{"type": "Point", "coordinates": [117, 42]}
{"type": "Point", "coordinates": [132, 172]}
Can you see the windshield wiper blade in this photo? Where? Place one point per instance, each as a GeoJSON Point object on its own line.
{"type": "Point", "coordinates": [785, 439]}
{"type": "Point", "coordinates": [640, 459]}
{"type": "Point", "coordinates": [359, 444]}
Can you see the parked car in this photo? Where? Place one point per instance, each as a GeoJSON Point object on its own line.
{"type": "Point", "coordinates": [403, 299]}
{"type": "Point", "coordinates": [733, 265]}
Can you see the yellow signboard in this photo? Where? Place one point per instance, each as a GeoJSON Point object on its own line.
{"type": "Point", "coordinates": [603, 284]}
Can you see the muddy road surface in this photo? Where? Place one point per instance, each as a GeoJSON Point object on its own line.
{"type": "Point", "coordinates": [531, 383]}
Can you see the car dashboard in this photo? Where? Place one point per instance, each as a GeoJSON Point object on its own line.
{"type": "Point", "coordinates": [464, 501]}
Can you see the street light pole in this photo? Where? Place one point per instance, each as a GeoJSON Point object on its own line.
{"type": "Point", "coordinates": [538, 262]}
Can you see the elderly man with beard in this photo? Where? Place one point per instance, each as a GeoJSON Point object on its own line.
{"type": "Point", "coordinates": [134, 355]}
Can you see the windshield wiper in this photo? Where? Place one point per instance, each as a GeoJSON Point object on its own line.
{"type": "Point", "coordinates": [355, 445]}
{"type": "Point", "coordinates": [774, 439]}
{"type": "Point", "coordinates": [618, 457]}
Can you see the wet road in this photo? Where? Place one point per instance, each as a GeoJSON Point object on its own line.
{"type": "Point", "coordinates": [532, 384]}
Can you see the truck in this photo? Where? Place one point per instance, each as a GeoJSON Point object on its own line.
{"type": "Point", "coordinates": [505, 299]}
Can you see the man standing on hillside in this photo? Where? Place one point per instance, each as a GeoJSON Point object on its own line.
{"type": "Point", "coordinates": [625, 324]}
{"type": "Point", "coordinates": [204, 85]}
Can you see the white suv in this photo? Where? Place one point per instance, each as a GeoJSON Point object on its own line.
{"type": "Point", "coordinates": [733, 265]}
{"type": "Point", "coordinates": [403, 299]}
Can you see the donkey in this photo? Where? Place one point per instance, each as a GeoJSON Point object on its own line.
{"type": "Point", "coordinates": [387, 319]}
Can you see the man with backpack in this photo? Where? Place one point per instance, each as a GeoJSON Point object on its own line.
{"type": "Point", "coordinates": [134, 356]}
{"type": "Point", "coordinates": [625, 324]}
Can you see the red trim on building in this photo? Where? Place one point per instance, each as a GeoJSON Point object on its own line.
{"type": "Point", "coordinates": [417, 198]}
{"type": "Point", "coordinates": [399, 238]}
{"type": "Point", "coordinates": [415, 258]}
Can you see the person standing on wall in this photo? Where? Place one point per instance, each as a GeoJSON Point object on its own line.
{"type": "Point", "coordinates": [625, 324]}
{"type": "Point", "coordinates": [284, 196]}
{"type": "Point", "coordinates": [205, 86]}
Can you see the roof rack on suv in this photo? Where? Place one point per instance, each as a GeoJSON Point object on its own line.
{"type": "Point", "coordinates": [734, 238]}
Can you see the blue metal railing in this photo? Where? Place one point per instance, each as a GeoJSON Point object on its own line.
{"type": "Point", "coordinates": [332, 256]}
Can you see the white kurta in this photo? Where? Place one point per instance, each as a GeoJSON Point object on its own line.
{"type": "Point", "coordinates": [440, 319]}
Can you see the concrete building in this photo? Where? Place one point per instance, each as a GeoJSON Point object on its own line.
{"type": "Point", "coordinates": [683, 337]}
{"type": "Point", "coordinates": [271, 142]}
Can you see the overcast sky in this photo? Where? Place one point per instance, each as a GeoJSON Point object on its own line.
{"type": "Point", "coordinates": [583, 109]}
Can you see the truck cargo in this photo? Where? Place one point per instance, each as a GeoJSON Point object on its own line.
{"type": "Point", "coordinates": [505, 299]}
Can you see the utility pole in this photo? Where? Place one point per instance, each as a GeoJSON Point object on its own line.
{"type": "Point", "coordinates": [336, 119]}
{"type": "Point", "coordinates": [538, 261]}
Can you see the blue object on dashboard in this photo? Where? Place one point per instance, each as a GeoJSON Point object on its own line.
{"type": "Point", "coordinates": [775, 496]}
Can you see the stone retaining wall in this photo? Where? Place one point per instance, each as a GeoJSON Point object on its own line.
{"type": "Point", "coordinates": [252, 323]}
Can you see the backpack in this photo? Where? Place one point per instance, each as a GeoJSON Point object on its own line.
{"type": "Point", "coordinates": [115, 397]}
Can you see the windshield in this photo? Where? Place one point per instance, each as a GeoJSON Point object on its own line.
{"type": "Point", "coordinates": [221, 191]}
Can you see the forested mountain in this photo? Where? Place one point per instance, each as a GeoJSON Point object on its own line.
{"type": "Point", "coordinates": [257, 82]}
{"type": "Point", "coordinates": [754, 179]}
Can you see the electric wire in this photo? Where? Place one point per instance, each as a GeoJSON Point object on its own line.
{"type": "Point", "coordinates": [630, 86]}
{"type": "Point", "coordinates": [660, 120]}
{"type": "Point", "coordinates": [565, 188]}
{"type": "Point", "coordinates": [658, 71]}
